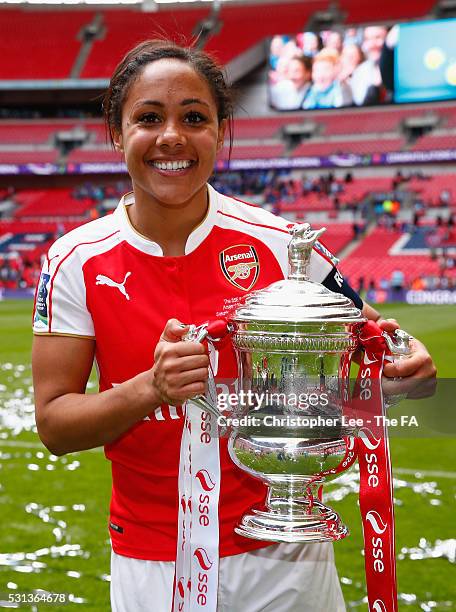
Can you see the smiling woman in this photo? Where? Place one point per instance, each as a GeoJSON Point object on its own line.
{"type": "Point", "coordinates": [116, 290]}
{"type": "Point", "coordinates": [170, 139]}
{"type": "Point", "coordinates": [170, 144]}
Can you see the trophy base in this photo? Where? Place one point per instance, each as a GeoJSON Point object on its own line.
{"type": "Point", "coordinates": [304, 522]}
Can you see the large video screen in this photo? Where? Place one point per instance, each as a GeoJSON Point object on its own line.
{"type": "Point", "coordinates": [365, 66]}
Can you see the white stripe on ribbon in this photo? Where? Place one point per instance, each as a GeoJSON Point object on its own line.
{"type": "Point", "coordinates": [197, 558]}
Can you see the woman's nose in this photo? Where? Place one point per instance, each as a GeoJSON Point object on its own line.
{"type": "Point", "coordinates": [171, 135]}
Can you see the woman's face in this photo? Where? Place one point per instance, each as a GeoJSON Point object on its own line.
{"type": "Point", "coordinates": [170, 134]}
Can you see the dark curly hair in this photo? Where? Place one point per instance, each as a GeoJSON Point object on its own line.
{"type": "Point", "coordinates": [132, 65]}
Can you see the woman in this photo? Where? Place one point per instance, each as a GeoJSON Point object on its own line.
{"type": "Point", "coordinates": [117, 288]}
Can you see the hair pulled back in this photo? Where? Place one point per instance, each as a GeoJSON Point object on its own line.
{"type": "Point", "coordinates": [134, 62]}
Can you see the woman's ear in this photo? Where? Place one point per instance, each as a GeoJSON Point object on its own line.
{"type": "Point", "coordinates": [117, 140]}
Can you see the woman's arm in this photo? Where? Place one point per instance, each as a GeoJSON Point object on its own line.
{"type": "Point", "coordinates": [371, 314]}
{"type": "Point", "coordinates": [69, 420]}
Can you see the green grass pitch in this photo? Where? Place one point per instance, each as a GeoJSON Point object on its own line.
{"type": "Point", "coordinates": [53, 528]}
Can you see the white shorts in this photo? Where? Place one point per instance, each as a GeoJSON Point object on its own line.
{"type": "Point", "coordinates": [279, 578]}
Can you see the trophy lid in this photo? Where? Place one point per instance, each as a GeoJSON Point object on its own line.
{"type": "Point", "coordinates": [298, 299]}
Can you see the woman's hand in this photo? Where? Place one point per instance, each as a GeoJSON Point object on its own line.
{"type": "Point", "coordinates": [417, 372]}
{"type": "Point", "coordinates": [181, 368]}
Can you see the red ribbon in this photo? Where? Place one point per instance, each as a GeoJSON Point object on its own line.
{"type": "Point", "coordinates": [376, 482]}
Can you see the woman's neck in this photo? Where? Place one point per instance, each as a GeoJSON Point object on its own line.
{"type": "Point", "coordinates": [168, 226]}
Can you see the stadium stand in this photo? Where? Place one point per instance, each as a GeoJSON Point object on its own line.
{"type": "Point", "coordinates": [337, 236]}
{"type": "Point", "coordinates": [29, 156]}
{"type": "Point", "coordinates": [369, 131]}
{"type": "Point", "coordinates": [372, 262]}
{"type": "Point", "coordinates": [361, 12]}
{"type": "Point", "coordinates": [51, 52]}
{"type": "Point", "coordinates": [51, 203]}
{"type": "Point", "coordinates": [382, 120]}
{"type": "Point", "coordinates": [27, 132]}
{"type": "Point", "coordinates": [37, 227]}
{"type": "Point", "coordinates": [360, 147]}
{"type": "Point", "coordinates": [34, 47]}
{"type": "Point", "coordinates": [362, 187]}
{"type": "Point", "coordinates": [86, 155]}
{"type": "Point", "coordinates": [251, 151]}
{"type": "Point", "coordinates": [262, 127]}
{"type": "Point", "coordinates": [433, 188]}
{"type": "Point", "coordinates": [435, 141]}
{"type": "Point", "coordinates": [125, 28]}
{"type": "Point", "coordinates": [42, 131]}
{"type": "Point", "coordinates": [38, 214]}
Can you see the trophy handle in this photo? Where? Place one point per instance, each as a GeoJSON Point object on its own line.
{"type": "Point", "coordinates": [399, 345]}
{"type": "Point", "coordinates": [212, 331]}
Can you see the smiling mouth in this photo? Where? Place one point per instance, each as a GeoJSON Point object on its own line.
{"type": "Point", "coordinates": [172, 166]}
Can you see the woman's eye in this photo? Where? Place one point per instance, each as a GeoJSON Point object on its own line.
{"type": "Point", "coordinates": [194, 117]}
{"type": "Point", "coordinates": [149, 118]}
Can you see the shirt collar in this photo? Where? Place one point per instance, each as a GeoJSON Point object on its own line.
{"type": "Point", "coordinates": [144, 244]}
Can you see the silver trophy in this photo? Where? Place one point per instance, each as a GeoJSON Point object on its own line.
{"type": "Point", "coordinates": [293, 341]}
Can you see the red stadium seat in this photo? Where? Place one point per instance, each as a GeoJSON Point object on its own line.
{"type": "Point", "coordinates": [126, 28]}
{"type": "Point", "coordinates": [360, 147]}
{"type": "Point", "coordinates": [57, 202]}
{"type": "Point", "coordinates": [40, 45]}
{"type": "Point", "coordinates": [370, 260]}
{"type": "Point", "coordinates": [94, 156]}
{"type": "Point", "coordinates": [34, 156]}
{"type": "Point", "coordinates": [253, 151]}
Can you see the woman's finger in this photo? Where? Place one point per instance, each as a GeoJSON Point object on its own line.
{"type": "Point", "coordinates": [173, 331]}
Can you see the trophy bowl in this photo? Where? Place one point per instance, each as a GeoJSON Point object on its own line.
{"type": "Point", "coordinates": [294, 341]}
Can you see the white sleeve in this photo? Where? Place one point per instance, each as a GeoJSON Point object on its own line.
{"type": "Point", "coordinates": [60, 300]}
{"type": "Point", "coordinates": [322, 262]}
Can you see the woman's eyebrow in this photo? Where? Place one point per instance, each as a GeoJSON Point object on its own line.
{"type": "Point", "coordinates": [185, 102]}
{"type": "Point", "coordinates": [148, 103]}
{"type": "Point", "coordinates": [188, 101]}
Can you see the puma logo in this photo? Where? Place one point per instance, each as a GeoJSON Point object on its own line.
{"type": "Point", "coordinates": [105, 280]}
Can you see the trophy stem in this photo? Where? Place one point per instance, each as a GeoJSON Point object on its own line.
{"type": "Point", "coordinates": [293, 512]}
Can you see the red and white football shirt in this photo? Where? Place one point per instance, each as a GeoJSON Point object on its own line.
{"type": "Point", "coordinates": [105, 281]}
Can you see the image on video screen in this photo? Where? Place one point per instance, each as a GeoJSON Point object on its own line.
{"type": "Point", "coordinates": [363, 66]}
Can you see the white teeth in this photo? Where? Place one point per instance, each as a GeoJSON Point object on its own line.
{"type": "Point", "coordinates": [173, 165]}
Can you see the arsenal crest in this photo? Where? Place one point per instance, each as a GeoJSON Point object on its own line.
{"type": "Point", "coordinates": [240, 265]}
